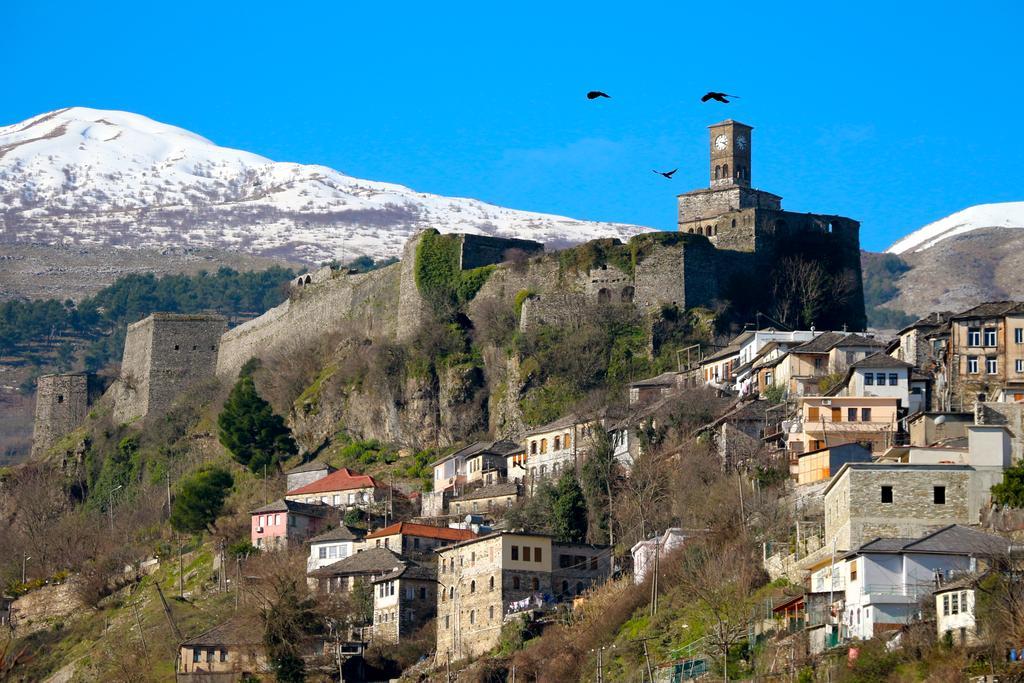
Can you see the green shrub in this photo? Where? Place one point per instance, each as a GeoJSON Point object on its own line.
{"type": "Point", "coordinates": [439, 278]}
{"type": "Point", "coordinates": [1010, 491]}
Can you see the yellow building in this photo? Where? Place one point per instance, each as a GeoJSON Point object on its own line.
{"type": "Point", "coordinates": [824, 421]}
{"type": "Point", "coordinates": [819, 465]}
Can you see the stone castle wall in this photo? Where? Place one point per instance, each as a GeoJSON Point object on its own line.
{"type": "Point", "coordinates": [62, 402]}
{"type": "Point", "coordinates": [480, 250]}
{"type": "Point", "coordinates": [413, 309]}
{"type": "Point", "coordinates": [164, 355]}
{"type": "Point", "coordinates": [368, 302]}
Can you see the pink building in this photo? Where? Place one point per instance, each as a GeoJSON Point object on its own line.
{"type": "Point", "coordinates": [285, 522]}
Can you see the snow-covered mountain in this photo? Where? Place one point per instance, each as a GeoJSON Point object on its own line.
{"type": "Point", "coordinates": [1002, 215]}
{"type": "Point", "coordinates": [97, 178]}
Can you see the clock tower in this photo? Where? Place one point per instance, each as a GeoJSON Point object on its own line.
{"type": "Point", "coordinates": [730, 154]}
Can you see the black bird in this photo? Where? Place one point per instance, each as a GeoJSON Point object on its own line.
{"type": "Point", "coordinates": [718, 97]}
{"type": "Point", "coordinates": [594, 94]}
{"type": "Point", "coordinates": [667, 174]}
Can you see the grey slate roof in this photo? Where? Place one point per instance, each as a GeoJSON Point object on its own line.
{"type": "Point", "coordinates": [342, 533]}
{"type": "Point", "coordinates": [282, 505]}
{"type": "Point", "coordinates": [881, 360]}
{"type": "Point", "coordinates": [949, 540]}
{"type": "Point", "coordinates": [826, 341]}
{"type": "Point", "coordinates": [312, 466]}
{"type": "Point", "coordinates": [665, 379]}
{"type": "Point", "coordinates": [235, 631]}
{"type": "Point", "coordinates": [502, 448]}
{"type": "Point", "coordinates": [991, 309]}
{"type": "Point", "coordinates": [932, 320]}
{"type": "Point", "coordinates": [506, 489]}
{"type": "Point", "coordinates": [411, 570]}
{"type": "Point", "coordinates": [370, 561]}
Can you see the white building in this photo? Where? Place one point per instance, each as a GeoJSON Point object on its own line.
{"type": "Point", "coordinates": [331, 546]}
{"type": "Point", "coordinates": [886, 578]}
{"type": "Point", "coordinates": [955, 616]}
{"type": "Point", "coordinates": [644, 551]}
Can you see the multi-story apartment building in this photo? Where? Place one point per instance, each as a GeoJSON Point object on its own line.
{"type": "Point", "coordinates": [825, 421]}
{"type": "Point", "coordinates": [985, 358]}
{"type": "Point", "coordinates": [482, 580]}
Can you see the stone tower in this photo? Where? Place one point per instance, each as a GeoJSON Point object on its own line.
{"type": "Point", "coordinates": [164, 355]}
{"type": "Point", "coordinates": [730, 154]}
{"type": "Point", "coordinates": [62, 402]}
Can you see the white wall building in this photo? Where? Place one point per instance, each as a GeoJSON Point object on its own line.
{"type": "Point", "coordinates": [331, 546]}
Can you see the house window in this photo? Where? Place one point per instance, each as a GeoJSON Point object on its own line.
{"type": "Point", "coordinates": [472, 616]}
{"type": "Point", "coordinates": [196, 653]}
{"type": "Point", "coordinates": [974, 336]}
{"type": "Point", "coordinates": [869, 379]}
{"type": "Point", "coordinates": [886, 494]}
{"type": "Point", "coordinates": [567, 439]}
{"type": "Point", "coordinates": [536, 555]}
{"type": "Point", "coordinates": [543, 445]}
{"type": "Point", "coordinates": [515, 552]}
{"type": "Point", "coordinates": [490, 613]}
{"type": "Point", "coordinates": [939, 495]}
{"type": "Point", "coordinates": [990, 366]}
{"type": "Point", "coordinates": [972, 365]}
{"type": "Point", "coordinates": [990, 336]}
{"type": "Point", "coordinates": [515, 583]}
{"type": "Point", "coordinates": [853, 570]}
{"type": "Point", "coordinates": [472, 586]}
{"type": "Point", "coordinates": [865, 414]}
{"type": "Point", "coordinates": [447, 622]}
{"type": "Point", "coordinates": [945, 605]}
{"type": "Point", "coordinates": [323, 552]}
{"type": "Point", "coordinates": [491, 584]}
{"type": "Point", "coordinates": [880, 379]}
{"type": "Point", "coordinates": [1019, 365]}
{"type": "Point", "coordinates": [954, 607]}
{"type": "Point", "coordinates": [851, 414]}
{"type": "Point", "coordinates": [1018, 335]}
{"type": "Point", "coordinates": [223, 655]}
{"type": "Point", "coordinates": [558, 443]}
{"type": "Point", "coordinates": [526, 553]}
{"type": "Point", "coordinates": [535, 584]}
{"type": "Point", "coordinates": [423, 593]}
{"type": "Point", "coordinates": [337, 499]}
{"type": "Point", "coordinates": [894, 379]}
{"type": "Point", "coordinates": [812, 414]}
{"type": "Point", "coordinates": [416, 543]}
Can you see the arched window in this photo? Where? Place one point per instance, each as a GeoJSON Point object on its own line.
{"type": "Point", "coordinates": [535, 584]}
{"type": "Point", "coordinates": [490, 613]}
{"type": "Point", "coordinates": [603, 296]}
{"type": "Point", "coordinates": [515, 583]}
{"type": "Point", "coordinates": [472, 586]}
{"type": "Point", "coordinates": [543, 445]}
{"type": "Point", "coordinates": [533, 448]}
{"type": "Point", "coordinates": [627, 294]}
{"type": "Point", "coordinates": [690, 231]}
{"type": "Point", "coordinates": [567, 440]}
{"type": "Point", "coordinates": [451, 592]}
{"type": "Point", "coordinates": [472, 616]}
{"type": "Point", "coordinates": [718, 172]}
{"type": "Point", "coordinates": [558, 443]}
{"type": "Point", "coordinates": [444, 597]}
{"type": "Point", "coordinates": [734, 222]}
{"type": "Point", "coordinates": [725, 170]}
{"type": "Point", "coordinates": [492, 583]}
{"type": "Point", "coordinates": [708, 231]}
{"type": "Point", "coordinates": [543, 470]}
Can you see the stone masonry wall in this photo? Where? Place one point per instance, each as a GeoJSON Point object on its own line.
{"type": "Point", "coordinates": [854, 513]}
{"type": "Point", "coordinates": [131, 390]}
{"type": "Point", "coordinates": [481, 250]}
{"type": "Point", "coordinates": [1009, 414]}
{"type": "Point", "coordinates": [62, 402]}
{"type": "Point", "coordinates": [366, 301]}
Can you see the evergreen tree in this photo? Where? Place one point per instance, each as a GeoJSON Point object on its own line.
{"type": "Point", "coordinates": [1010, 491]}
{"type": "Point", "coordinates": [251, 430]}
{"type": "Point", "coordinates": [569, 512]}
{"type": "Point", "coordinates": [597, 477]}
{"type": "Point", "coordinates": [200, 499]}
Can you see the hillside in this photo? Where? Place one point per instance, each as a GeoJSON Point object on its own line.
{"type": "Point", "coordinates": [109, 181]}
{"type": "Point", "coordinates": [971, 256]}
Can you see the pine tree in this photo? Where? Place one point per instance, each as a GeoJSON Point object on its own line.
{"type": "Point", "coordinates": [569, 512]}
{"type": "Point", "coordinates": [256, 436]}
{"type": "Point", "coordinates": [200, 499]}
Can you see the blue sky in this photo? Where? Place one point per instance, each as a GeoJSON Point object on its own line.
{"type": "Point", "coordinates": [892, 113]}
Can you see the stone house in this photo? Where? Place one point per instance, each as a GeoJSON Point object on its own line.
{"type": "Point", "coordinates": [307, 473]}
{"type": "Point", "coordinates": [830, 353]}
{"type": "Point", "coordinates": [332, 545]}
{"type": "Point", "coordinates": [287, 522]}
{"type": "Point", "coordinates": [653, 389]}
{"type": "Point", "coordinates": [231, 651]}
{"type": "Point", "coordinates": [403, 601]}
{"type": "Point", "coordinates": [886, 578]}
{"type": "Point", "coordinates": [557, 446]}
{"type": "Point", "coordinates": [482, 580]}
{"type": "Point", "coordinates": [867, 500]}
{"type": "Point", "coordinates": [817, 466]}
{"type": "Point", "coordinates": [916, 344]}
{"type": "Point", "coordinates": [985, 357]}
{"type": "Point", "coordinates": [411, 539]}
{"type": "Point", "coordinates": [487, 501]}
{"type": "Point", "coordinates": [362, 567]}
{"type": "Point", "coordinates": [482, 461]}
{"type": "Point", "coordinates": [341, 489]}
{"type": "Point", "coordinates": [1008, 415]}
{"type": "Point", "coordinates": [873, 421]}
{"type": "Point", "coordinates": [929, 428]}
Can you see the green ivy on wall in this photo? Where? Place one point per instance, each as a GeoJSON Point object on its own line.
{"type": "Point", "coordinates": [439, 279]}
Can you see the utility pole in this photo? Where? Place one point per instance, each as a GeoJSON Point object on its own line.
{"type": "Point", "coordinates": [167, 612]}
{"type": "Point", "coordinates": [168, 494]}
{"type": "Point", "coordinates": [24, 560]}
{"type": "Point", "coordinates": [647, 658]}
{"type": "Point", "coordinates": [142, 634]}
{"type": "Point", "coordinates": [181, 572]}
{"type": "Point", "coordinates": [110, 505]}
{"type": "Point", "coordinates": [654, 577]}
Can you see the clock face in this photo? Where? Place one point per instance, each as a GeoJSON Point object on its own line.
{"type": "Point", "coordinates": [720, 142]}
{"type": "Point", "coordinates": [741, 142]}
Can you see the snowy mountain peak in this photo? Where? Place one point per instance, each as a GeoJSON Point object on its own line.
{"type": "Point", "coordinates": [98, 177]}
{"type": "Point", "coordinates": [1002, 215]}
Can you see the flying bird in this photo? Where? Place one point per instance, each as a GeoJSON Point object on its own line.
{"type": "Point", "coordinates": [667, 174]}
{"type": "Point", "coordinates": [594, 94]}
{"type": "Point", "coordinates": [718, 97]}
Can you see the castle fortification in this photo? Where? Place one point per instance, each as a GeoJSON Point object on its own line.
{"type": "Point", "coordinates": [62, 402]}
{"type": "Point", "coordinates": [164, 355]}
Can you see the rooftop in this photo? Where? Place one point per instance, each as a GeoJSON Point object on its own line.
{"type": "Point", "coordinates": [991, 309]}
{"type": "Point", "coordinates": [826, 341]}
{"type": "Point", "coordinates": [312, 466]}
{"type": "Point", "coordinates": [238, 630]}
{"type": "Point", "coordinates": [423, 531]}
{"type": "Point", "coordinates": [881, 360]}
{"type": "Point", "coordinates": [341, 480]}
{"type": "Point", "coordinates": [342, 533]}
{"type": "Point", "coordinates": [949, 540]}
{"type": "Point", "coordinates": [369, 561]}
{"type": "Point", "coordinates": [295, 507]}
{"type": "Point", "coordinates": [502, 447]}
{"type": "Point", "coordinates": [506, 489]}
{"type": "Point", "coordinates": [410, 571]}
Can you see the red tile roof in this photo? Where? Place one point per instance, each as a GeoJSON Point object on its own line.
{"type": "Point", "coordinates": [423, 531]}
{"type": "Point", "coordinates": [342, 480]}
